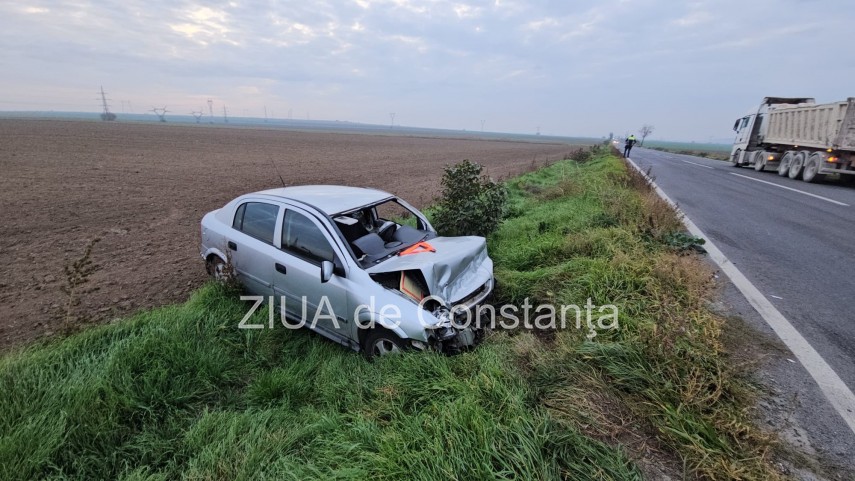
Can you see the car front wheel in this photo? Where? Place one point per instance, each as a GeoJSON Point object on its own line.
{"type": "Point", "coordinates": [381, 342]}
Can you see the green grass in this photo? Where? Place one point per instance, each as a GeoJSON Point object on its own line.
{"type": "Point", "coordinates": [664, 373]}
{"type": "Point", "coordinates": [181, 393]}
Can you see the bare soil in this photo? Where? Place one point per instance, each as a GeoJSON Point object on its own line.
{"type": "Point", "coordinates": [143, 188]}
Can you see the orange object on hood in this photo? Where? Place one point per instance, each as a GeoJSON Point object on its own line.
{"type": "Point", "coordinates": [417, 248]}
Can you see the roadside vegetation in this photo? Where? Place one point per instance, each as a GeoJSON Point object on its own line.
{"type": "Point", "coordinates": [470, 203]}
{"type": "Point", "coordinates": [180, 393]}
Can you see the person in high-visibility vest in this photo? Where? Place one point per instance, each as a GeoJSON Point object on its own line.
{"type": "Point", "coordinates": [630, 141]}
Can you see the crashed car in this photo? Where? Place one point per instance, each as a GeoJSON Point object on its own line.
{"type": "Point", "coordinates": [359, 266]}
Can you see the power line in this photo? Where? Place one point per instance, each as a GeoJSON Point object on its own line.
{"type": "Point", "coordinates": [106, 115]}
{"type": "Point", "coordinates": [160, 112]}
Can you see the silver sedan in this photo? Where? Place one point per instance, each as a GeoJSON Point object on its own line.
{"type": "Point", "coordinates": [359, 266]}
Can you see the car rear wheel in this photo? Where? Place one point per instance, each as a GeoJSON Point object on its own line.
{"type": "Point", "coordinates": [216, 268]}
{"type": "Point", "coordinates": [381, 342]}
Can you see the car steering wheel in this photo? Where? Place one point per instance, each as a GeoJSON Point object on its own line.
{"type": "Point", "coordinates": [386, 230]}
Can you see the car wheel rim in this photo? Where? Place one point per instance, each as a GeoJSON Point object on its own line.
{"type": "Point", "coordinates": [384, 346]}
{"type": "Point", "coordinates": [216, 269]}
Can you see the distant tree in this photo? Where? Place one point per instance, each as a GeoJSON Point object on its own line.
{"type": "Point", "coordinates": [645, 130]}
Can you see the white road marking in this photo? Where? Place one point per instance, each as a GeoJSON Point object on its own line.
{"type": "Point", "coordinates": [835, 390]}
{"type": "Point", "coordinates": [695, 163]}
{"type": "Point", "coordinates": [792, 189]}
{"type": "Point", "coordinates": [671, 157]}
{"type": "Point", "coordinates": [776, 297]}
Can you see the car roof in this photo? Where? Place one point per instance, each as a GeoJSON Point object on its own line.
{"type": "Point", "coordinates": [330, 199]}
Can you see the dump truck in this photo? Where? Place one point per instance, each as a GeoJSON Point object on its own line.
{"type": "Point", "coordinates": [798, 138]}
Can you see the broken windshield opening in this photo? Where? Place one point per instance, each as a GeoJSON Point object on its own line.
{"type": "Point", "coordinates": [379, 231]}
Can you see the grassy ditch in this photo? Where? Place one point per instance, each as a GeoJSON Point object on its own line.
{"type": "Point", "coordinates": [661, 383]}
{"type": "Point", "coordinates": [180, 392]}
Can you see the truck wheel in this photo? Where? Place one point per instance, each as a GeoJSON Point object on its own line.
{"type": "Point", "coordinates": [786, 160]}
{"type": "Point", "coordinates": [811, 169]}
{"type": "Point", "coordinates": [797, 164]}
{"type": "Point", "coordinates": [734, 158]}
{"type": "Point", "coordinates": [760, 160]}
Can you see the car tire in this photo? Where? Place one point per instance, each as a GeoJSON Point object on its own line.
{"type": "Point", "coordinates": [216, 268]}
{"type": "Point", "coordinates": [382, 342]}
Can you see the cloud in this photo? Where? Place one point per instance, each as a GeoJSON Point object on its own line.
{"type": "Point", "coordinates": [582, 68]}
{"type": "Point", "coordinates": [693, 19]}
{"type": "Point", "coordinates": [203, 25]}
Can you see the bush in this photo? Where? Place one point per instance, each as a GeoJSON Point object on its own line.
{"type": "Point", "coordinates": [471, 203]}
{"type": "Point", "coordinates": [582, 155]}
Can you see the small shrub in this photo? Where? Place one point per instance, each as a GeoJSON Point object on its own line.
{"type": "Point", "coordinates": [562, 189]}
{"type": "Point", "coordinates": [228, 276]}
{"type": "Point", "coordinates": [682, 241]}
{"type": "Point", "coordinates": [471, 203]}
{"type": "Point", "coordinates": [581, 155]}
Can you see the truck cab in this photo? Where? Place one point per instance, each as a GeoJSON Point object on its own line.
{"type": "Point", "coordinates": [743, 127]}
{"type": "Point", "coordinates": [751, 128]}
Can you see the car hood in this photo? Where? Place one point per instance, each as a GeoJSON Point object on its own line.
{"type": "Point", "coordinates": [459, 266]}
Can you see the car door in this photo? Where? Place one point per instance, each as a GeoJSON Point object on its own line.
{"type": "Point", "coordinates": [323, 306]}
{"type": "Point", "coordinates": [251, 245]}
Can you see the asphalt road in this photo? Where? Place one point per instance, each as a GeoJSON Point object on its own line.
{"type": "Point", "coordinates": [797, 249]}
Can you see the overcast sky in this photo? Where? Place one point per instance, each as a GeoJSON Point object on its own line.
{"type": "Point", "coordinates": [568, 67]}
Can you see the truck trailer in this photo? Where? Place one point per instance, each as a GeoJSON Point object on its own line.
{"type": "Point", "coordinates": [797, 138]}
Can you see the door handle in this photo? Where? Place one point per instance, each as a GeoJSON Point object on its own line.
{"type": "Point", "coordinates": [232, 246]}
{"type": "Point", "coordinates": [280, 268]}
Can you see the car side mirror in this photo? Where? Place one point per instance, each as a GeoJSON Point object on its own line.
{"type": "Point", "coordinates": [338, 268]}
{"type": "Point", "coordinates": [327, 268]}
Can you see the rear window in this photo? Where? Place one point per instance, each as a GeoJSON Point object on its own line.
{"type": "Point", "coordinates": [239, 217]}
{"type": "Point", "coordinates": [257, 219]}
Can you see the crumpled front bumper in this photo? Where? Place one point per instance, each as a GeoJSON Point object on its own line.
{"type": "Point", "coordinates": [461, 327]}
